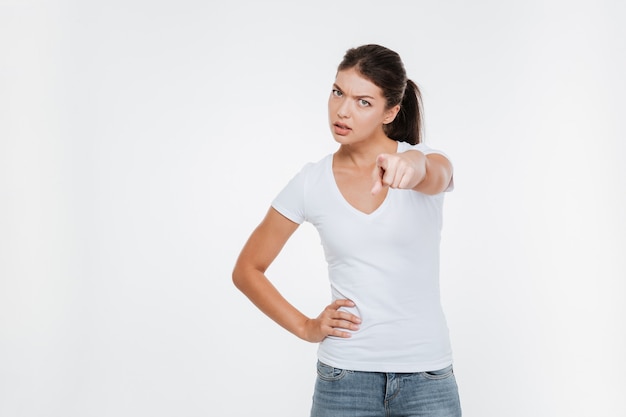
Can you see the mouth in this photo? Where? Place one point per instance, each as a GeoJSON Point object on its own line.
{"type": "Point", "coordinates": [341, 128]}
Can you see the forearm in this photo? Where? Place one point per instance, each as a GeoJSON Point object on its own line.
{"type": "Point", "coordinates": [257, 287]}
{"type": "Point", "coordinates": [419, 164]}
{"type": "Point", "coordinates": [433, 172]}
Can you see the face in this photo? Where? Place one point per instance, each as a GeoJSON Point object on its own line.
{"type": "Point", "coordinates": [357, 109]}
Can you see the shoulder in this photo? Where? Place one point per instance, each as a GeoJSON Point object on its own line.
{"type": "Point", "coordinates": [422, 147]}
{"type": "Point", "coordinates": [315, 169]}
{"type": "Point", "coordinates": [309, 173]}
{"type": "Point", "coordinates": [292, 201]}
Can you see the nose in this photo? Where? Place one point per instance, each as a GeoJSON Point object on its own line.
{"type": "Point", "coordinates": [343, 111]}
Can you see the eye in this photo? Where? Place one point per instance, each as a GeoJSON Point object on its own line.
{"type": "Point", "coordinates": [337, 93]}
{"type": "Point", "coordinates": [364, 103]}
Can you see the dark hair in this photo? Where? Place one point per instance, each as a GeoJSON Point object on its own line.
{"type": "Point", "coordinates": [385, 69]}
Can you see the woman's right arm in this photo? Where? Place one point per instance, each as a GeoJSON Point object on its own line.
{"type": "Point", "coordinates": [265, 243]}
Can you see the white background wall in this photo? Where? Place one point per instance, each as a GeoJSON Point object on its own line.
{"type": "Point", "coordinates": [142, 141]}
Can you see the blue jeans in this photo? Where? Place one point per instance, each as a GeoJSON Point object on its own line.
{"type": "Point", "coordinates": [343, 393]}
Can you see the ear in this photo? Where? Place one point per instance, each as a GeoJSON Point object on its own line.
{"type": "Point", "coordinates": [391, 114]}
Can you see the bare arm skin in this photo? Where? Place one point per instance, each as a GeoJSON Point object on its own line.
{"type": "Point", "coordinates": [258, 253]}
{"type": "Point", "coordinates": [428, 174]}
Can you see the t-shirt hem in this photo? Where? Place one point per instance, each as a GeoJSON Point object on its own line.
{"type": "Point", "coordinates": [410, 367]}
{"type": "Point", "coordinates": [288, 214]}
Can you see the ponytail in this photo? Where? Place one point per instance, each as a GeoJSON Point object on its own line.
{"type": "Point", "coordinates": [407, 126]}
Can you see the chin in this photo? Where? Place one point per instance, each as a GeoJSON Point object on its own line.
{"type": "Point", "coordinates": [342, 140]}
{"type": "Point", "coordinates": [339, 139]}
{"type": "Point", "coordinates": [347, 140]}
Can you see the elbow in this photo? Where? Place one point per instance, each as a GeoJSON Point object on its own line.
{"type": "Point", "coordinates": [237, 277]}
{"type": "Point", "coordinates": [242, 276]}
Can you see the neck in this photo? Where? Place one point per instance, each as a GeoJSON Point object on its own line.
{"type": "Point", "coordinates": [364, 154]}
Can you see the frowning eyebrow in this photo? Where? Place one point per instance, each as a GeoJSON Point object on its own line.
{"type": "Point", "coordinates": [335, 86]}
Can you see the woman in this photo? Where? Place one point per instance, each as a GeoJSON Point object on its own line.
{"type": "Point", "coordinates": [384, 348]}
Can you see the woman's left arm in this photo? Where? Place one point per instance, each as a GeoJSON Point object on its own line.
{"type": "Point", "coordinates": [428, 174]}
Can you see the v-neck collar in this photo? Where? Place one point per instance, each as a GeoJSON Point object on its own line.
{"type": "Point", "coordinates": [341, 197]}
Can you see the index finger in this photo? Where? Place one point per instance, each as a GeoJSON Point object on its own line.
{"type": "Point", "coordinates": [382, 160]}
{"type": "Point", "coordinates": [342, 302]}
{"type": "Point", "coordinates": [377, 178]}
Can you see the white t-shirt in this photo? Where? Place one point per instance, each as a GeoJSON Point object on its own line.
{"type": "Point", "coordinates": [386, 262]}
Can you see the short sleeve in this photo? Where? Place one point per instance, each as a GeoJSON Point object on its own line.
{"type": "Point", "coordinates": [290, 201]}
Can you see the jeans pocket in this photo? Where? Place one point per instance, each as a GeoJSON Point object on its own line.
{"type": "Point", "coordinates": [439, 374]}
{"type": "Point", "coordinates": [329, 373]}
